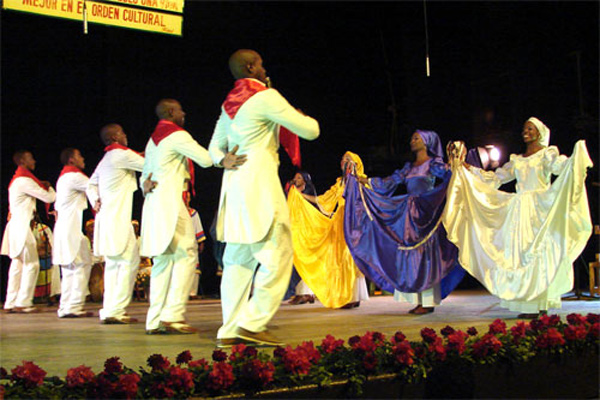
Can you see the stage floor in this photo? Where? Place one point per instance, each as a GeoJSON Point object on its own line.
{"type": "Point", "coordinates": [58, 344]}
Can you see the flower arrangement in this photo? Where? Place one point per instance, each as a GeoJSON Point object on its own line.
{"type": "Point", "coordinates": [142, 279]}
{"type": "Point", "coordinates": [245, 370]}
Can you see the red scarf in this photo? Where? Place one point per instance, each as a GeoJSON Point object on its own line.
{"type": "Point", "coordinates": [241, 92]}
{"type": "Point", "coordinates": [163, 130]}
{"type": "Point", "coordinates": [70, 168]}
{"type": "Point", "coordinates": [24, 172]}
{"type": "Point", "coordinates": [116, 145]}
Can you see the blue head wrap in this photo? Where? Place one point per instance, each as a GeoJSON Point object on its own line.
{"type": "Point", "coordinates": [432, 142]}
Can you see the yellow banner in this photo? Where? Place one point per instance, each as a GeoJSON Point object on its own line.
{"type": "Point", "coordinates": [102, 13]}
{"type": "Point", "coordinates": [165, 5]}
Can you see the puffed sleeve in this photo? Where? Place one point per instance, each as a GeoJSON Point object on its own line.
{"type": "Point", "coordinates": [387, 186]}
{"type": "Point", "coordinates": [497, 178]}
{"type": "Point", "coordinates": [439, 168]}
{"type": "Point", "coordinates": [553, 161]}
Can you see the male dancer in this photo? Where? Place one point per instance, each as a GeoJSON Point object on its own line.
{"type": "Point", "coordinates": [111, 190]}
{"type": "Point", "coordinates": [254, 222]}
{"type": "Point", "coordinates": [70, 249]}
{"type": "Point", "coordinates": [167, 232]}
{"type": "Point", "coordinates": [19, 242]}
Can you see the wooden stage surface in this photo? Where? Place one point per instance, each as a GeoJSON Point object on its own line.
{"type": "Point", "coordinates": [58, 344]}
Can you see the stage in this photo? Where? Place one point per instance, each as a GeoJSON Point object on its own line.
{"type": "Point", "coordinates": [58, 344]}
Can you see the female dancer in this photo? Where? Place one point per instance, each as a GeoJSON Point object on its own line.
{"type": "Point", "coordinates": [321, 255]}
{"type": "Point", "coordinates": [398, 241]}
{"type": "Point", "coordinates": [521, 245]}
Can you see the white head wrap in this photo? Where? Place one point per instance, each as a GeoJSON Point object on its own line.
{"type": "Point", "coordinates": [543, 129]}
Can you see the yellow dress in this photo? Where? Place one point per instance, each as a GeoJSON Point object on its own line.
{"type": "Point", "coordinates": [321, 255]}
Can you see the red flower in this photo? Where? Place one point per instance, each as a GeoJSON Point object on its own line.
{"type": "Point", "coordinates": [456, 341]}
{"type": "Point", "coordinates": [296, 361]}
{"type": "Point", "coordinates": [403, 352]}
{"type": "Point", "coordinates": [161, 390]}
{"type": "Point", "coordinates": [331, 344]}
{"type": "Point", "coordinates": [184, 357]}
{"type": "Point", "coordinates": [576, 332]}
{"type": "Point", "coordinates": [369, 361]}
{"type": "Point", "coordinates": [595, 330]}
{"type": "Point", "coordinates": [279, 352]}
{"type": "Point", "coordinates": [158, 362]}
{"type": "Point", "coordinates": [448, 330]}
{"type": "Point", "coordinates": [257, 371]}
{"type": "Point", "coordinates": [128, 385]}
{"type": "Point", "coordinates": [102, 387]}
{"type": "Point", "coordinates": [219, 355]}
{"type": "Point", "coordinates": [420, 352]}
{"type": "Point", "coordinates": [29, 374]}
{"type": "Point", "coordinates": [489, 343]}
{"type": "Point", "coordinates": [237, 352]}
{"type": "Point", "coordinates": [113, 365]}
{"type": "Point", "coordinates": [498, 326]}
{"type": "Point", "coordinates": [353, 340]}
{"type": "Point", "coordinates": [3, 372]}
{"type": "Point", "coordinates": [428, 335]}
{"type": "Point", "coordinates": [472, 331]}
{"type": "Point", "coordinates": [398, 337]}
{"type": "Point", "coordinates": [592, 318]}
{"type": "Point", "coordinates": [437, 348]}
{"type": "Point", "coordinates": [180, 379]}
{"type": "Point", "coordinates": [308, 348]}
{"type": "Point", "coordinates": [576, 319]}
{"type": "Point", "coordinates": [201, 363]}
{"type": "Point", "coordinates": [79, 376]}
{"type": "Point", "coordinates": [550, 338]}
{"type": "Point", "coordinates": [366, 343]}
{"type": "Point", "coordinates": [519, 330]}
{"type": "Point", "coordinates": [221, 377]}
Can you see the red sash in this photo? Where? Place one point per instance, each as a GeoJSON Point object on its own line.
{"type": "Point", "coordinates": [24, 172]}
{"type": "Point", "coordinates": [241, 92]}
{"type": "Point", "coordinates": [163, 130]}
{"type": "Point", "coordinates": [115, 145]}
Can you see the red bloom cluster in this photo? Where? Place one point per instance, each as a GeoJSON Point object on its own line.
{"type": "Point", "coordinates": [180, 379]}
{"type": "Point", "coordinates": [428, 335]}
{"type": "Point", "coordinates": [219, 355]}
{"type": "Point", "coordinates": [437, 348]}
{"type": "Point", "coordinates": [488, 344]}
{"type": "Point", "coordinates": [201, 363]}
{"type": "Point", "coordinates": [299, 360]}
{"type": "Point", "coordinates": [593, 318]}
{"type": "Point", "coordinates": [448, 330]}
{"type": "Point", "coordinates": [398, 337]}
{"type": "Point", "coordinates": [158, 363]}
{"type": "Point", "coordinates": [498, 326]}
{"type": "Point", "coordinates": [595, 330]}
{"type": "Point", "coordinates": [241, 351]}
{"type": "Point", "coordinates": [28, 374]}
{"type": "Point", "coordinates": [221, 377]}
{"type": "Point", "coordinates": [184, 357]}
{"type": "Point", "coordinates": [128, 385]}
{"type": "Point", "coordinates": [368, 342]}
{"type": "Point", "coordinates": [456, 341]}
{"type": "Point", "coordinates": [331, 344]}
{"type": "Point", "coordinates": [113, 366]}
{"type": "Point", "coordinates": [576, 319]}
{"type": "Point", "coordinates": [551, 338]}
{"type": "Point", "coordinates": [403, 352]}
{"type": "Point", "coordinates": [472, 331]}
{"type": "Point", "coordinates": [79, 376]}
{"type": "Point", "coordinates": [519, 331]}
{"type": "Point", "coordinates": [260, 372]}
{"type": "Point", "coordinates": [576, 332]}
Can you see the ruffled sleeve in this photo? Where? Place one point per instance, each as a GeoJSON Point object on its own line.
{"type": "Point", "coordinates": [553, 161]}
{"type": "Point", "coordinates": [387, 186]}
{"type": "Point", "coordinates": [497, 178]}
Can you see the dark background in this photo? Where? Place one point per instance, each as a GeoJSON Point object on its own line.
{"type": "Point", "coordinates": [357, 67]}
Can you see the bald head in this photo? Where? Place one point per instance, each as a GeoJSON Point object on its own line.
{"type": "Point", "coordinates": [170, 109]}
{"type": "Point", "coordinates": [110, 133]}
{"type": "Point", "coordinates": [246, 63]}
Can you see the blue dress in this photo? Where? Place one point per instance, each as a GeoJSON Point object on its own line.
{"type": "Point", "coordinates": [398, 242]}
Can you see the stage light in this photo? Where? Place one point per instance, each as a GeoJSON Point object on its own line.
{"type": "Point", "coordinates": [489, 156]}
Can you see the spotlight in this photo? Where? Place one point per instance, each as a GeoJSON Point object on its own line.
{"type": "Point", "coordinates": [489, 156]}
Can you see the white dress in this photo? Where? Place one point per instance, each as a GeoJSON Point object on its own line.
{"type": "Point", "coordinates": [521, 245]}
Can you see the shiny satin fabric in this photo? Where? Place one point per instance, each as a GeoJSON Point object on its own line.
{"type": "Point", "coordinates": [321, 255]}
{"type": "Point", "coordinates": [521, 245]}
{"type": "Point", "coordinates": [398, 242]}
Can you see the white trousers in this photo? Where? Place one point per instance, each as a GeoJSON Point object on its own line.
{"type": "Point", "coordinates": [360, 291]}
{"type": "Point", "coordinates": [428, 298]}
{"type": "Point", "coordinates": [120, 273]}
{"type": "Point", "coordinates": [75, 281]}
{"type": "Point", "coordinates": [268, 284]}
{"type": "Point", "coordinates": [22, 275]}
{"type": "Point", "coordinates": [172, 274]}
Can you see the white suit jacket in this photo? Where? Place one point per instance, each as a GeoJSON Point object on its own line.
{"type": "Point", "coordinates": [22, 195]}
{"type": "Point", "coordinates": [252, 195]}
{"type": "Point", "coordinates": [168, 164]}
{"type": "Point", "coordinates": [70, 203]}
{"type": "Point", "coordinates": [114, 182]}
